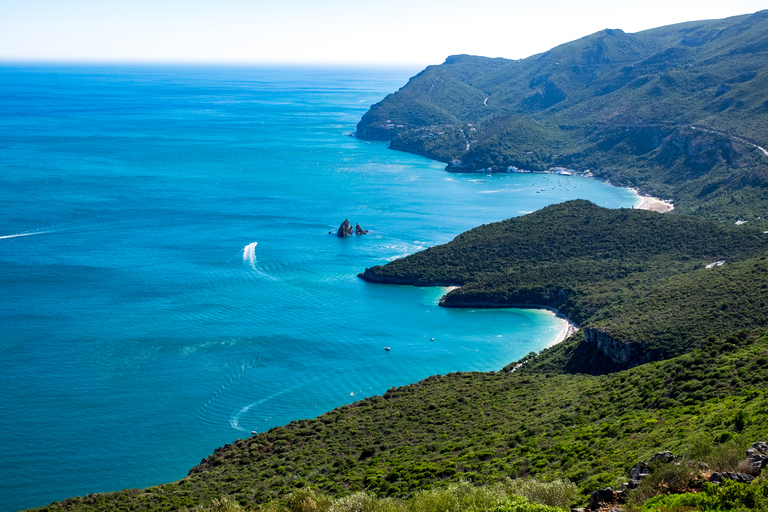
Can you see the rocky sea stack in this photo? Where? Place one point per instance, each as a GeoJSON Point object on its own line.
{"type": "Point", "coordinates": [345, 229]}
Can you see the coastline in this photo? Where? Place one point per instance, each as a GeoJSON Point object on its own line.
{"type": "Point", "coordinates": [651, 203]}
{"type": "Point", "coordinates": [569, 328]}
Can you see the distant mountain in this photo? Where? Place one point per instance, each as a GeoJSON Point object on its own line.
{"type": "Point", "coordinates": [678, 111]}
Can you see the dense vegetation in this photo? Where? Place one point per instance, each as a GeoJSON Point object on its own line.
{"type": "Point", "coordinates": [676, 111]}
{"type": "Point", "coordinates": [638, 276]}
{"type": "Point", "coordinates": [507, 496]}
{"type": "Point", "coordinates": [485, 428]}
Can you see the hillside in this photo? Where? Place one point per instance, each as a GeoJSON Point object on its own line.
{"type": "Point", "coordinates": [486, 427]}
{"type": "Point", "coordinates": [676, 111]}
{"type": "Point", "coordinates": [635, 280]}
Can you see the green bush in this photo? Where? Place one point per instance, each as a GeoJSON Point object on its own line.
{"type": "Point", "coordinates": [729, 495]}
{"type": "Point", "coordinates": [458, 498]}
{"type": "Point", "coordinates": [725, 456]}
{"type": "Point", "coordinates": [364, 502]}
{"type": "Point", "coordinates": [226, 504]}
{"type": "Point", "coordinates": [666, 478]}
{"type": "Point", "coordinates": [560, 493]}
{"type": "Point", "coordinates": [520, 504]}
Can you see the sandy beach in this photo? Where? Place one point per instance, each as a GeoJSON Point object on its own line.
{"type": "Point", "coordinates": [653, 203]}
{"type": "Point", "coordinates": [569, 329]}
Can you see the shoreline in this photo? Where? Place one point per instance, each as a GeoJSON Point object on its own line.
{"type": "Point", "coordinates": [651, 203]}
{"type": "Point", "coordinates": [569, 329]}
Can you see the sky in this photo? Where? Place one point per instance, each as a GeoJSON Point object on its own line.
{"type": "Point", "coordinates": [320, 32]}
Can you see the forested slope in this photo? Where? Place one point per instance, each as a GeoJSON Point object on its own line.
{"type": "Point", "coordinates": [677, 111]}
{"type": "Point", "coordinates": [632, 278]}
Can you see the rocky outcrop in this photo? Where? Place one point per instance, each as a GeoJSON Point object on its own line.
{"type": "Point", "coordinates": [640, 471]}
{"type": "Point", "coordinates": [603, 498]}
{"type": "Point", "coordinates": [662, 458]}
{"type": "Point", "coordinates": [621, 352]}
{"type": "Point", "coordinates": [345, 229]}
{"type": "Point", "coordinates": [359, 230]}
{"type": "Point", "coordinates": [757, 456]}
{"type": "Point", "coordinates": [717, 478]}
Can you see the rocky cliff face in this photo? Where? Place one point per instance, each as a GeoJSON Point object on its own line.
{"type": "Point", "coordinates": [620, 352]}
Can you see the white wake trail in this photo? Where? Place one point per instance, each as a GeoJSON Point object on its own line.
{"type": "Point", "coordinates": [26, 234]}
{"type": "Point", "coordinates": [249, 254]}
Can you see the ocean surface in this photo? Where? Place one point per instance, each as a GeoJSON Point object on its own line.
{"type": "Point", "coordinates": [168, 283]}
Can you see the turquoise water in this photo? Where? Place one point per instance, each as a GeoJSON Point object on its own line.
{"type": "Point", "coordinates": [141, 328]}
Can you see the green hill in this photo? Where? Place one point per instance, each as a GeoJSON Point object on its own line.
{"type": "Point", "coordinates": [676, 111]}
{"type": "Point", "coordinates": [486, 427]}
{"type": "Point", "coordinates": [635, 280]}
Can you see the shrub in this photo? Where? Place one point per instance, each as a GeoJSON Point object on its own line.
{"type": "Point", "coordinates": [560, 493]}
{"type": "Point", "coordinates": [725, 456]}
{"type": "Point", "coordinates": [520, 504]}
{"type": "Point", "coordinates": [305, 500]}
{"type": "Point", "coordinates": [666, 478]}
{"type": "Point", "coordinates": [458, 498]}
{"type": "Point", "coordinates": [360, 502]}
{"type": "Point", "coordinates": [225, 504]}
{"type": "Point", "coordinates": [729, 495]}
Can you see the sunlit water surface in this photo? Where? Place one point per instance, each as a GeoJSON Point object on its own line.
{"type": "Point", "coordinates": [168, 283]}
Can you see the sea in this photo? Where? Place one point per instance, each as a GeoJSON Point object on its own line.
{"type": "Point", "coordinates": [170, 278]}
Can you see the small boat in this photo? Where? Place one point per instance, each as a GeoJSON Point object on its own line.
{"type": "Point", "coordinates": [254, 432]}
{"type": "Point", "coordinates": [386, 348]}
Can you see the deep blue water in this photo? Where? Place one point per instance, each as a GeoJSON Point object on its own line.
{"type": "Point", "coordinates": [140, 329]}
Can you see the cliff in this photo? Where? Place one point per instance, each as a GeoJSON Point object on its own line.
{"type": "Point", "coordinates": [625, 354]}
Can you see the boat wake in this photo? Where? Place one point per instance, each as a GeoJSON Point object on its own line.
{"type": "Point", "coordinates": [26, 234]}
{"type": "Point", "coordinates": [234, 421]}
{"type": "Point", "coordinates": [249, 255]}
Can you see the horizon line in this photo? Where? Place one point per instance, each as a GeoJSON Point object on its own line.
{"type": "Point", "coordinates": [179, 63]}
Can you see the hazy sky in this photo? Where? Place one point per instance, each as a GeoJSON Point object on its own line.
{"type": "Point", "coordinates": [327, 31]}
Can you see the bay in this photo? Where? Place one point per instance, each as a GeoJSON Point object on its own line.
{"type": "Point", "coordinates": [168, 282]}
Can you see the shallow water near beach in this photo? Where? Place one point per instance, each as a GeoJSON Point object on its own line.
{"type": "Point", "coordinates": [168, 279]}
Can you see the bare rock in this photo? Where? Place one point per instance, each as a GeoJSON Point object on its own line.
{"type": "Point", "coordinates": [345, 229]}
{"type": "Point", "coordinates": [359, 230]}
{"type": "Point", "coordinates": [640, 471]}
{"type": "Point", "coordinates": [601, 498]}
{"type": "Point", "coordinates": [662, 457]}
{"type": "Point", "coordinates": [717, 478]}
{"type": "Point", "coordinates": [757, 456]}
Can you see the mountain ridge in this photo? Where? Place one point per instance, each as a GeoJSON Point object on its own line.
{"type": "Point", "coordinates": [674, 111]}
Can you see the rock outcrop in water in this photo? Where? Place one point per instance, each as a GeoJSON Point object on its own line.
{"type": "Point", "coordinates": [345, 229]}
